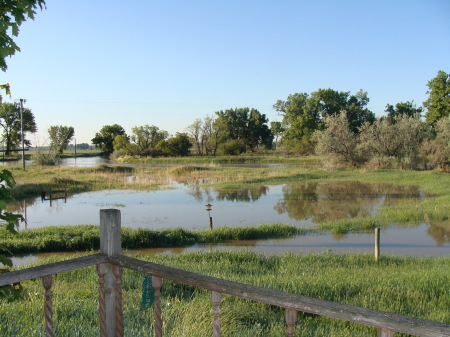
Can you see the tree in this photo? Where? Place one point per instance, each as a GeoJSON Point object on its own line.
{"type": "Point", "coordinates": [277, 130]}
{"type": "Point", "coordinates": [399, 140]}
{"type": "Point", "coordinates": [11, 124]}
{"type": "Point", "coordinates": [12, 14]}
{"type": "Point", "coordinates": [176, 146]}
{"type": "Point", "coordinates": [147, 137]}
{"type": "Point", "coordinates": [301, 117]}
{"type": "Point", "coordinates": [438, 149]}
{"type": "Point", "coordinates": [82, 146]}
{"type": "Point", "coordinates": [403, 108]}
{"type": "Point", "coordinates": [438, 102]}
{"type": "Point", "coordinates": [246, 126]}
{"type": "Point", "coordinates": [338, 143]}
{"type": "Point", "coordinates": [105, 137]}
{"type": "Point", "coordinates": [10, 222]}
{"type": "Point", "coordinates": [60, 137]}
{"type": "Point", "coordinates": [303, 114]}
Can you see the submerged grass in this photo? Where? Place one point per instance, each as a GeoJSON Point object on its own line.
{"type": "Point", "coordinates": [87, 237]}
{"type": "Point", "coordinates": [409, 286]}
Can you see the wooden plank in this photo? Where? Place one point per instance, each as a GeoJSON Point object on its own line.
{"type": "Point", "coordinates": [110, 245]}
{"type": "Point", "coordinates": [52, 268]}
{"type": "Point", "coordinates": [345, 312]}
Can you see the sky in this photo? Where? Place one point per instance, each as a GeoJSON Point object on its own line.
{"type": "Point", "coordinates": [87, 63]}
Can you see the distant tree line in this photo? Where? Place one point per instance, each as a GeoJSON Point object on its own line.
{"type": "Point", "coordinates": [335, 124]}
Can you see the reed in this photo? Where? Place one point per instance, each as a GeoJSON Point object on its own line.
{"type": "Point", "coordinates": [87, 237]}
{"type": "Point", "coordinates": [410, 286]}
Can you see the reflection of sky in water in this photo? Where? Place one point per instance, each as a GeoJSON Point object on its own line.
{"type": "Point", "coordinates": [183, 206]}
{"type": "Point", "coordinates": [170, 208]}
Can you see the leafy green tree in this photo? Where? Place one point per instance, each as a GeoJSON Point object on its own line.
{"type": "Point", "coordinates": [303, 114]}
{"type": "Point", "coordinates": [402, 108]}
{"type": "Point", "coordinates": [438, 102]}
{"type": "Point", "coordinates": [147, 137]}
{"type": "Point", "coordinates": [83, 146]}
{"type": "Point", "coordinates": [247, 126]}
{"type": "Point", "coordinates": [60, 137]}
{"type": "Point", "coordinates": [176, 146]}
{"type": "Point", "coordinates": [12, 14]}
{"type": "Point", "coordinates": [301, 117]}
{"type": "Point", "coordinates": [104, 139]}
{"type": "Point", "coordinates": [10, 122]}
{"type": "Point", "coordinates": [9, 221]}
{"type": "Point", "coordinates": [277, 130]}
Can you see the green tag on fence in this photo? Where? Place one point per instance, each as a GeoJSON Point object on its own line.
{"type": "Point", "coordinates": [148, 293]}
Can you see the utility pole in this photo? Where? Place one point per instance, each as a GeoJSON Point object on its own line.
{"type": "Point", "coordinates": [21, 131]}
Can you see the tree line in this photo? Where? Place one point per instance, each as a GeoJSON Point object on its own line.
{"type": "Point", "coordinates": [335, 124]}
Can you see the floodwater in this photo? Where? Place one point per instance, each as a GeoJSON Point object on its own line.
{"type": "Point", "coordinates": [180, 205]}
{"type": "Point", "coordinates": [300, 204]}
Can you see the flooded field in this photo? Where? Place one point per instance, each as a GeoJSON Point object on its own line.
{"type": "Point", "coordinates": [302, 204]}
{"type": "Point", "coordinates": [182, 204]}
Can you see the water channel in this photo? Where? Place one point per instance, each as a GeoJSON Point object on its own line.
{"type": "Point", "coordinates": [300, 204]}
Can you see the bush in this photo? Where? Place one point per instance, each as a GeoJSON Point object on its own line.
{"type": "Point", "coordinates": [45, 159]}
{"type": "Point", "coordinates": [232, 148]}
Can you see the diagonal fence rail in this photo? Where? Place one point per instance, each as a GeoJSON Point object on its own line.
{"type": "Point", "coordinates": [110, 263]}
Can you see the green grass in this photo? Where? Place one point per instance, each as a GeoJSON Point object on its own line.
{"type": "Point", "coordinates": [86, 237]}
{"type": "Point", "coordinates": [410, 286]}
{"type": "Point", "coordinates": [242, 159]}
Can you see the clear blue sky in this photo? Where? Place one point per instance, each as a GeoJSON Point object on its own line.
{"type": "Point", "coordinates": [87, 63]}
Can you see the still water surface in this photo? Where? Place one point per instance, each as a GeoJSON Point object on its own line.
{"type": "Point", "coordinates": [302, 204]}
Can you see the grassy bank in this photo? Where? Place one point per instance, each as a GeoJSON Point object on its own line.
{"type": "Point", "coordinates": [242, 159]}
{"type": "Point", "coordinates": [87, 237]}
{"type": "Point", "coordinates": [409, 286]}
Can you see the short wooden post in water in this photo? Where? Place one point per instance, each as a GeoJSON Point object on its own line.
{"type": "Point", "coordinates": [291, 317]}
{"type": "Point", "coordinates": [377, 244]}
{"type": "Point", "coordinates": [156, 284]}
{"type": "Point", "coordinates": [110, 245]}
{"type": "Point", "coordinates": [47, 283]}
{"type": "Point", "coordinates": [216, 299]}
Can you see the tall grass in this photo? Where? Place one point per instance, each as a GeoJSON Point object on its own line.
{"type": "Point", "coordinates": [409, 286]}
{"type": "Point", "coordinates": [86, 237]}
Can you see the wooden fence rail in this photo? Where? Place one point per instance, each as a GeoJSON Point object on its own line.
{"type": "Point", "coordinates": [109, 269]}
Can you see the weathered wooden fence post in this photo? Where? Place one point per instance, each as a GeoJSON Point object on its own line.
{"type": "Point", "coordinates": [110, 278]}
{"type": "Point", "coordinates": [377, 244]}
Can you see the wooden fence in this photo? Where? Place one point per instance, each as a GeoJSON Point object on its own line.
{"type": "Point", "coordinates": [110, 263]}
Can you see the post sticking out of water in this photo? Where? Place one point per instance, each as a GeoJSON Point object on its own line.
{"type": "Point", "coordinates": [377, 244]}
{"type": "Point", "coordinates": [209, 208]}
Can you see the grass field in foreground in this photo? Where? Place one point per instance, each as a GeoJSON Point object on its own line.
{"type": "Point", "coordinates": [410, 286]}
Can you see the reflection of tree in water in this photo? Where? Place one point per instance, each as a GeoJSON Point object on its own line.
{"type": "Point", "coordinates": [245, 194]}
{"type": "Point", "coordinates": [440, 232]}
{"type": "Point", "coordinates": [328, 201]}
{"type": "Point", "coordinates": [20, 206]}
{"type": "Point", "coordinates": [201, 193]}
